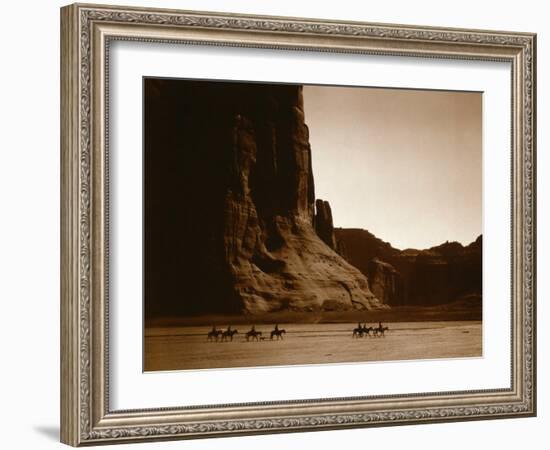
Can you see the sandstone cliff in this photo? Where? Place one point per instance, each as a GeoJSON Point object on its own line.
{"type": "Point", "coordinates": [386, 282]}
{"type": "Point", "coordinates": [439, 275]}
{"type": "Point", "coordinates": [230, 220]}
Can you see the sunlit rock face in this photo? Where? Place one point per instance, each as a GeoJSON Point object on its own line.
{"type": "Point", "coordinates": [230, 205]}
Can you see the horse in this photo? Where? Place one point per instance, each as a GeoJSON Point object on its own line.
{"type": "Point", "coordinates": [379, 331]}
{"type": "Point", "coordinates": [214, 335]}
{"type": "Point", "coordinates": [367, 330]}
{"type": "Point", "coordinates": [360, 330]}
{"type": "Point", "coordinates": [228, 334]}
{"type": "Point", "coordinates": [278, 333]}
{"type": "Point", "coordinates": [357, 332]}
{"type": "Point", "coordinates": [252, 334]}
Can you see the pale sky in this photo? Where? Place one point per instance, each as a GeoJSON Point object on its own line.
{"type": "Point", "coordinates": [404, 164]}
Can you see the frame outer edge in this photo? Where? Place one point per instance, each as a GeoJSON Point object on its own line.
{"type": "Point", "coordinates": [535, 158]}
{"type": "Point", "coordinates": [81, 413]}
{"type": "Point", "coordinates": [69, 113]}
{"type": "Point", "coordinates": [534, 375]}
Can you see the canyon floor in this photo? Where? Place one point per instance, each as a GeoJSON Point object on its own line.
{"type": "Point", "coordinates": [182, 347]}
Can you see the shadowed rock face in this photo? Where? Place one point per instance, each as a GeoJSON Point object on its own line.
{"type": "Point", "coordinates": [324, 226]}
{"type": "Point", "coordinates": [229, 205]}
{"type": "Point", "coordinates": [439, 275]}
{"type": "Point", "coordinates": [385, 281]}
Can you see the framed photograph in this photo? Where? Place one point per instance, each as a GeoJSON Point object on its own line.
{"type": "Point", "coordinates": [275, 224]}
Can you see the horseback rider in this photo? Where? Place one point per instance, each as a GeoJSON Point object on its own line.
{"type": "Point", "coordinates": [214, 333]}
{"type": "Point", "coordinates": [380, 325]}
{"type": "Point", "coordinates": [252, 333]}
{"type": "Point", "coordinates": [277, 332]}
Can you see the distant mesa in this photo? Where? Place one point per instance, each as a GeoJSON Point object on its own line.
{"type": "Point", "coordinates": [442, 274]}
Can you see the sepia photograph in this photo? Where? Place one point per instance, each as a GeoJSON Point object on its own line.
{"type": "Point", "coordinates": [289, 224]}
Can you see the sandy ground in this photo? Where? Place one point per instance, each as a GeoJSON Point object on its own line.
{"type": "Point", "coordinates": [187, 347]}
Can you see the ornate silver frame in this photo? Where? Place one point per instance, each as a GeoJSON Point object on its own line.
{"type": "Point", "coordinates": [86, 31]}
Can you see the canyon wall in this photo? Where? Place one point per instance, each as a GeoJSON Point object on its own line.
{"type": "Point", "coordinates": [230, 218]}
{"type": "Point", "coordinates": [442, 274]}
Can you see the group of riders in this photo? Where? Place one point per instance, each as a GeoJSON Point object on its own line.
{"type": "Point", "coordinates": [363, 330]}
{"type": "Point", "coordinates": [216, 334]}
